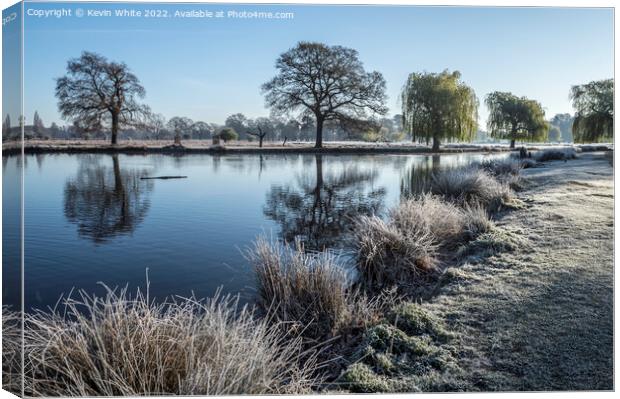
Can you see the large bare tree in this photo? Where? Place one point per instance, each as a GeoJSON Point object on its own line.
{"type": "Point", "coordinates": [97, 94]}
{"type": "Point", "coordinates": [327, 82]}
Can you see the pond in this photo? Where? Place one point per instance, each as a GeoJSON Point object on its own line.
{"type": "Point", "coordinates": [91, 218]}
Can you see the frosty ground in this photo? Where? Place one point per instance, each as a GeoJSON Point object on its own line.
{"type": "Point", "coordinates": [540, 317]}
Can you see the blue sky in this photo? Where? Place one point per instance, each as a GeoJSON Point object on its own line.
{"type": "Point", "coordinates": [207, 69]}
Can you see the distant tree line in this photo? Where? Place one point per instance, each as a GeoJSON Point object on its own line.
{"type": "Point", "coordinates": [320, 92]}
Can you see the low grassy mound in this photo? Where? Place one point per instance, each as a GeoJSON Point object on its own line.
{"type": "Point", "coordinates": [557, 154]}
{"type": "Point", "coordinates": [128, 346]}
{"type": "Point", "coordinates": [405, 353]}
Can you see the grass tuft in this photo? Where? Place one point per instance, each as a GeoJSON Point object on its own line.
{"type": "Point", "coordinates": [310, 291]}
{"type": "Point", "coordinates": [388, 255]}
{"type": "Point", "coordinates": [121, 345]}
{"type": "Point", "coordinates": [408, 247]}
{"type": "Point", "coordinates": [471, 185]}
{"type": "Point", "coordinates": [11, 351]}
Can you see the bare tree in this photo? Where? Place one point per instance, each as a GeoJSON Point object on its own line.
{"type": "Point", "coordinates": [260, 134]}
{"type": "Point", "coordinates": [328, 82]}
{"type": "Point", "coordinates": [201, 130]}
{"type": "Point", "coordinates": [178, 125]}
{"type": "Point", "coordinates": [97, 93]}
{"type": "Point", "coordinates": [156, 124]}
{"type": "Point", "coordinates": [259, 129]}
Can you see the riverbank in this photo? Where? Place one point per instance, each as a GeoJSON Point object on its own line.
{"type": "Point", "coordinates": [529, 307]}
{"type": "Point", "coordinates": [447, 300]}
{"type": "Point", "coordinates": [246, 147]}
{"type": "Point", "coordinates": [205, 147]}
{"type": "Point", "coordinates": [540, 317]}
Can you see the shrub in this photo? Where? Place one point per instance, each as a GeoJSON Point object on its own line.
{"type": "Point", "coordinates": [121, 346]}
{"type": "Point", "coordinates": [228, 134]}
{"type": "Point", "coordinates": [556, 155]}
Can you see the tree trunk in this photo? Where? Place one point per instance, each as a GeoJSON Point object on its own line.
{"type": "Point", "coordinates": [512, 143]}
{"type": "Point", "coordinates": [114, 128]}
{"type": "Point", "coordinates": [435, 144]}
{"type": "Point", "coordinates": [319, 170]}
{"type": "Point", "coordinates": [260, 141]}
{"type": "Point", "coordinates": [119, 188]}
{"type": "Point", "coordinates": [319, 133]}
{"type": "Point", "coordinates": [118, 181]}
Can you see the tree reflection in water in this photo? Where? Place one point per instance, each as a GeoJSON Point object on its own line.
{"type": "Point", "coordinates": [320, 211]}
{"type": "Point", "coordinates": [417, 178]}
{"type": "Point", "coordinates": [105, 201]}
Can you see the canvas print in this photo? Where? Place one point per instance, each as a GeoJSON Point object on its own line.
{"type": "Point", "coordinates": [242, 199]}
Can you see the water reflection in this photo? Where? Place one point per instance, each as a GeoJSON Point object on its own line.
{"type": "Point", "coordinates": [417, 177]}
{"type": "Point", "coordinates": [319, 208]}
{"type": "Point", "coordinates": [105, 201]}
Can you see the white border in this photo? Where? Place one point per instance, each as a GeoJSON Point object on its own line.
{"type": "Point", "coordinates": [484, 3]}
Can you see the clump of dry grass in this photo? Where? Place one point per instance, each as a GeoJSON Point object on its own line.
{"type": "Point", "coordinates": [502, 168]}
{"type": "Point", "coordinates": [11, 351]}
{"type": "Point", "coordinates": [120, 345]}
{"type": "Point", "coordinates": [507, 171]}
{"type": "Point", "coordinates": [309, 290]}
{"type": "Point", "coordinates": [477, 221]}
{"type": "Point", "coordinates": [408, 246]}
{"type": "Point", "coordinates": [389, 256]}
{"type": "Point", "coordinates": [471, 185]}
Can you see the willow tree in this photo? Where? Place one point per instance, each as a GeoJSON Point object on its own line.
{"type": "Point", "coordinates": [326, 82]}
{"type": "Point", "coordinates": [594, 106]}
{"type": "Point", "coordinates": [439, 106]}
{"type": "Point", "coordinates": [515, 118]}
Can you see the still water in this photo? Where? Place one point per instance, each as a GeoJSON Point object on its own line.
{"type": "Point", "coordinates": [90, 218]}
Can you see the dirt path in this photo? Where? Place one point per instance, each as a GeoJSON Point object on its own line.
{"type": "Point", "coordinates": [541, 317]}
